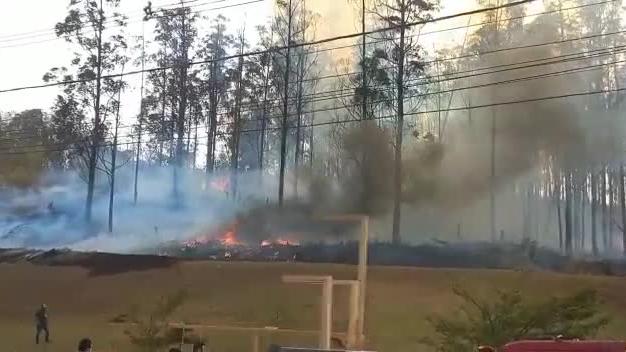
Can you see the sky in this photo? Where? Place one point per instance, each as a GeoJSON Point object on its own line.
{"type": "Point", "coordinates": [25, 58]}
{"type": "Point", "coordinates": [29, 48]}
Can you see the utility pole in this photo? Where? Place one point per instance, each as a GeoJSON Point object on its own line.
{"type": "Point", "coordinates": [283, 139]}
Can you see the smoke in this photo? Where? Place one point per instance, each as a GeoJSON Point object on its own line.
{"type": "Point", "coordinates": [52, 214]}
{"type": "Point", "coordinates": [447, 178]}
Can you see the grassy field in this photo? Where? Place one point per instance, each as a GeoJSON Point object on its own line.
{"type": "Point", "coordinates": [251, 295]}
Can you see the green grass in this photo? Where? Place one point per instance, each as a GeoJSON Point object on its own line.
{"type": "Point", "coordinates": [252, 295]}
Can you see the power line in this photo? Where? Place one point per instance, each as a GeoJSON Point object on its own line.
{"type": "Point", "coordinates": [127, 22]}
{"type": "Point", "coordinates": [516, 80]}
{"type": "Point", "coordinates": [499, 20]}
{"type": "Point", "coordinates": [327, 123]}
{"type": "Point", "coordinates": [294, 45]}
{"type": "Point", "coordinates": [381, 41]}
{"type": "Point", "coordinates": [331, 95]}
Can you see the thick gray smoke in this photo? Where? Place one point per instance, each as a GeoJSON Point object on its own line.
{"type": "Point", "coordinates": [447, 178]}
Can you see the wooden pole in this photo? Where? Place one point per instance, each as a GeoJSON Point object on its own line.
{"type": "Point", "coordinates": [353, 319]}
{"type": "Point", "coordinates": [256, 343]}
{"type": "Point", "coordinates": [326, 313]}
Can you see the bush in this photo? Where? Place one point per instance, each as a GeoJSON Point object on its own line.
{"type": "Point", "coordinates": [150, 331]}
{"type": "Point", "coordinates": [508, 317]}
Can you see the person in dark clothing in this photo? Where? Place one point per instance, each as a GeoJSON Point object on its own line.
{"type": "Point", "coordinates": [41, 321]}
{"type": "Point", "coordinates": [84, 345]}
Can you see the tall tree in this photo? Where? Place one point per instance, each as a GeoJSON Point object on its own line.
{"type": "Point", "coordinates": [184, 34]}
{"type": "Point", "coordinates": [213, 49]}
{"type": "Point", "coordinates": [110, 166]}
{"type": "Point", "coordinates": [97, 52]}
{"type": "Point", "coordinates": [285, 15]}
{"type": "Point", "coordinates": [594, 212]}
{"type": "Point", "coordinates": [405, 56]}
{"type": "Point", "coordinates": [259, 70]}
{"type": "Point", "coordinates": [622, 199]}
{"type": "Point", "coordinates": [235, 111]}
{"type": "Point", "coordinates": [142, 112]}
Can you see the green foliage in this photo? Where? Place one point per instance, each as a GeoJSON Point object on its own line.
{"type": "Point", "coordinates": [509, 317]}
{"type": "Point", "coordinates": [25, 159]}
{"type": "Point", "coordinates": [150, 331]}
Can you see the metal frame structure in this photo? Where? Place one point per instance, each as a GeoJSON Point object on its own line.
{"type": "Point", "coordinates": [356, 323]}
{"type": "Point", "coordinates": [362, 264]}
{"type": "Point", "coordinates": [326, 306]}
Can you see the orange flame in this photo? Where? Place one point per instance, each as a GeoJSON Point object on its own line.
{"type": "Point", "coordinates": [228, 238]}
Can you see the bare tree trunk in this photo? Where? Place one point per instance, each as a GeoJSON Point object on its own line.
{"type": "Point", "coordinates": [266, 88]}
{"type": "Point", "coordinates": [114, 159]}
{"type": "Point", "coordinates": [299, 103]}
{"type": "Point", "coordinates": [283, 135]}
{"type": "Point", "coordinates": [182, 108]}
{"type": "Point", "coordinates": [188, 144]}
{"type": "Point", "coordinates": [594, 213]}
{"type": "Point", "coordinates": [526, 214]}
{"type": "Point", "coordinates": [557, 198]}
{"type": "Point", "coordinates": [195, 146]}
{"type": "Point", "coordinates": [141, 117]}
{"type": "Point", "coordinates": [611, 221]}
{"type": "Point", "coordinates": [163, 106]}
{"type": "Point", "coordinates": [622, 198]}
{"type": "Point", "coordinates": [211, 132]}
{"type": "Point", "coordinates": [575, 212]}
{"type": "Point", "coordinates": [363, 67]}
{"type": "Point", "coordinates": [568, 214]}
{"type": "Point", "coordinates": [492, 186]}
{"type": "Point", "coordinates": [311, 140]}
{"type": "Point", "coordinates": [237, 124]}
{"type": "Point", "coordinates": [93, 150]}
{"type": "Point", "coordinates": [605, 239]}
{"type": "Point", "coordinates": [137, 158]}
{"type": "Point", "coordinates": [397, 184]}
{"type": "Point", "coordinates": [213, 102]}
{"type": "Point", "coordinates": [583, 202]}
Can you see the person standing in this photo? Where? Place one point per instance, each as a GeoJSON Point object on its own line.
{"type": "Point", "coordinates": [41, 321]}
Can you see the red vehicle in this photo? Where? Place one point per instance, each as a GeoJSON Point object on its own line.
{"type": "Point", "coordinates": [560, 346]}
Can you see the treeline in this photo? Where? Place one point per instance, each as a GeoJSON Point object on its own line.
{"type": "Point", "coordinates": [397, 123]}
